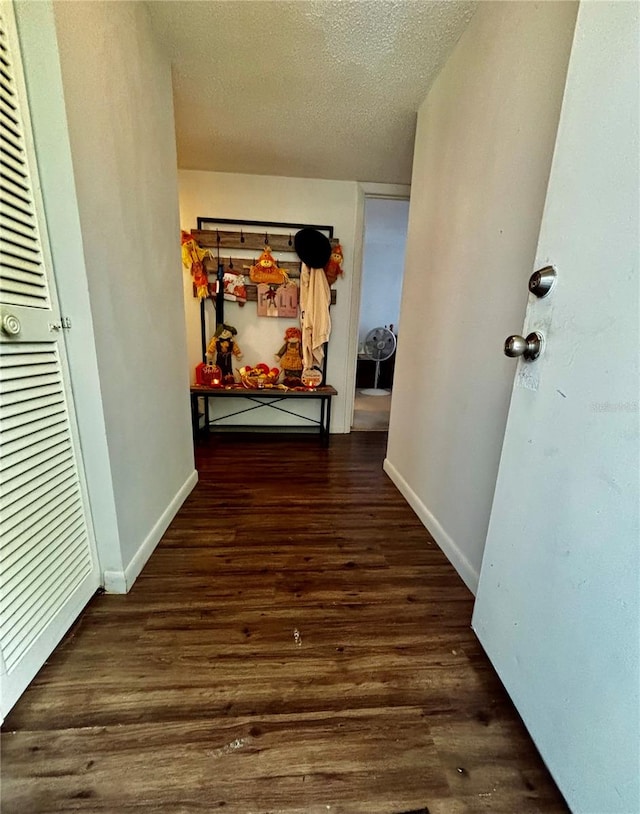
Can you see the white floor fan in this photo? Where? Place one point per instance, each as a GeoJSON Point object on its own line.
{"type": "Point", "coordinates": [379, 345]}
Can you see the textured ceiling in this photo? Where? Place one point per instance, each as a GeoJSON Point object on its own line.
{"type": "Point", "coordinates": [309, 88]}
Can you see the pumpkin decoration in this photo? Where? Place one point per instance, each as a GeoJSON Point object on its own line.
{"type": "Point", "coordinates": [258, 377]}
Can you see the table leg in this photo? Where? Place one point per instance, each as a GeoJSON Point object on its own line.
{"type": "Point", "coordinates": [328, 423]}
{"type": "Point", "coordinates": [194, 415]}
{"type": "Point", "coordinates": [322, 419]}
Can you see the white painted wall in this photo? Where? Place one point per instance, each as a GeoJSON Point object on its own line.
{"type": "Point", "coordinates": [293, 200]}
{"type": "Point", "coordinates": [117, 87]}
{"type": "Point", "coordinates": [41, 65]}
{"type": "Point", "coordinates": [482, 157]}
{"type": "Point", "coordinates": [385, 237]}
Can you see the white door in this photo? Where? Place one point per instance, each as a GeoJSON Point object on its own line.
{"type": "Point", "coordinates": [48, 567]}
{"type": "Point", "coordinates": [557, 606]}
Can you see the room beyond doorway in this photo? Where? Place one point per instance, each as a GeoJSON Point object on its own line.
{"type": "Point", "coordinates": [384, 241]}
{"type": "Point", "coordinates": [371, 412]}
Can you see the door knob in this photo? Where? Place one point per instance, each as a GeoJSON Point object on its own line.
{"type": "Point", "coordinates": [11, 325]}
{"type": "Point", "coordinates": [529, 347]}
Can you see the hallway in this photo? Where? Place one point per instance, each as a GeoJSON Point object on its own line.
{"type": "Point", "coordinates": [297, 643]}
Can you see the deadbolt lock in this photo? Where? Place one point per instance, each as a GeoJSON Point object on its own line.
{"type": "Point", "coordinates": [542, 281]}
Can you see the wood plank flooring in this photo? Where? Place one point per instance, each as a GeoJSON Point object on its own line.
{"type": "Point", "coordinates": [297, 643]}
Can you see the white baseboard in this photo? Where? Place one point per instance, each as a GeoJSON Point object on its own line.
{"type": "Point", "coordinates": [120, 582]}
{"type": "Point", "coordinates": [114, 582]}
{"type": "Point", "coordinates": [448, 545]}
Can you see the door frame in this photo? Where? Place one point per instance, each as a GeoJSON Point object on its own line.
{"type": "Point", "coordinates": [392, 192]}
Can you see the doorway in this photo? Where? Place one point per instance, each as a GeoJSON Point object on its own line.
{"type": "Point", "coordinates": [384, 242]}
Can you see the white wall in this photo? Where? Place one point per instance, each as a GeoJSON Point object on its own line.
{"type": "Point", "coordinates": [385, 236]}
{"type": "Point", "coordinates": [40, 59]}
{"type": "Point", "coordinates": [117, 87]}
{"type": "Point", "coordinates": [293, 200]}
{"type": "Point", "coordinates": [482, 157]}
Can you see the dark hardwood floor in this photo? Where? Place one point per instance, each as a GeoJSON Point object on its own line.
{"type": "Point", "coordinates": [297, 643]}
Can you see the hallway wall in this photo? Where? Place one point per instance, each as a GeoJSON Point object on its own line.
{"type": "Point", "coordinates": [117, 89]}
{"type": "Point", "coordinates": [482, 158]}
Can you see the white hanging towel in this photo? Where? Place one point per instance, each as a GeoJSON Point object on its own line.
{"type": "Point", "coordinates": [315, 298]}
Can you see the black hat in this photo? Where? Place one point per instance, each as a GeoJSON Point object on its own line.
{"type": "Point", "coordinates": [312, 247]}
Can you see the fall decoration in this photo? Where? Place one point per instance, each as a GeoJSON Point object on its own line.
{"type": "Point", "coordinates": [311, 378]}
{"type": "Point", "coordinates": [260, 376]}
{"type": "Point", "coordinates": [208, 375]}
{"type": "Point", "coordinates": [333, 269]}
{"type": "Point", "coordinates": [266, 269]}
{"type": "Point", "coordinates": [290, 353]}
{"type": "Point", "coordinates": [234, 287]}
{"type": "Point", "coordinates": [222, 347]}
{"type": "Point", "coordinates": [192, 257]}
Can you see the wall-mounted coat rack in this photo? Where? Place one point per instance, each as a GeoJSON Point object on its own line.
{"type": "Point", "coordinates": [227, 239]}
{"type": "Point", "coordinates": [224, 236]}
{"type": "Point", "coordinates": [210, 235]}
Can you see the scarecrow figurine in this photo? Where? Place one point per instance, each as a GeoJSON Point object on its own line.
{"type": "Point", "coordinates": [333, 269]}
{"type": "Point", "coordinates": [290, 353]}
{"type": "Point", "coordinates": [266, 269]}
{"type": "Point", "coordinates": [192, 257]}
{"type": "Point", "coordinates": [223, 346]}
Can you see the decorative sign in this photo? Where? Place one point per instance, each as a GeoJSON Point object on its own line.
{"type": "Point", "coordinates": [266, 269]}
{"type": "Point", "coordinates": [277, 300]}
{"type": "Point", "coordinates": [208, 375]}
{"type": "Point", "coordinates": [311, 378]}
{"type": "Point", "coordinates": [234, 287]}
{"type": "Point", "coordinates": [287, 300]}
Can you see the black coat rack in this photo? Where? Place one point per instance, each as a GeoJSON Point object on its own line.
{"type": "Point", "coordinates": [229, 233]}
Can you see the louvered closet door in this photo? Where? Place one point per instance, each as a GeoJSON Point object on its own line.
{"type": "Point", "coordinates": [48, 568]}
